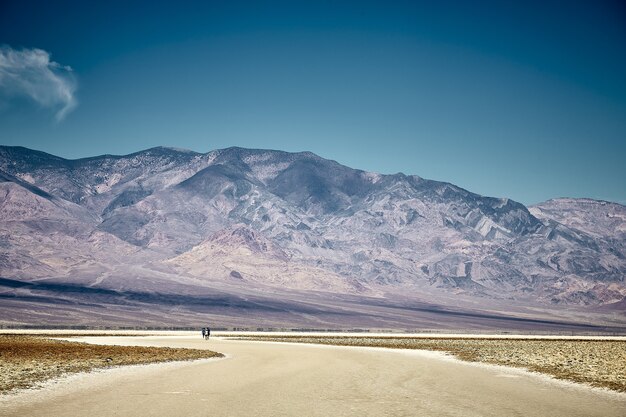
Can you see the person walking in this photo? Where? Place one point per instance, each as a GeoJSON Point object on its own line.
{"type": "Point", "coordinates": [204, 333]}
{"type": "Point", "coordinates": [208, 333]}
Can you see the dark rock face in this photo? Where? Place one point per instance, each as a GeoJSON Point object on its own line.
{"type": "Point", "coordinates": [236, 275]}
{"type": "Point", "coordinates": [344, 229]}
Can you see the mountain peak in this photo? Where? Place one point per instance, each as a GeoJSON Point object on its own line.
{"type": "Point", "coordinates": [174, 149]}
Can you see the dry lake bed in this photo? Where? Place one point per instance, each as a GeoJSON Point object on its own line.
{"type": "Point", "coordinates": [379, 375]}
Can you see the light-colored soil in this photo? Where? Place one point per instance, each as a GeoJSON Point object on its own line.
{"type": "Point", "coordinates": [26, 361]}
{"type": "Point", "coordinates": [285, 379]}
{"type": "Point", "coordinates": [601, 363]}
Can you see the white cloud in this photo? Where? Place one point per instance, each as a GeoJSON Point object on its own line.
{"type": "Point", "coordinates": [31, 73]}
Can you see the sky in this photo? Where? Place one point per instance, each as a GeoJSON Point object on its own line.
{"type": "Point", "coordinates": [525, 100]}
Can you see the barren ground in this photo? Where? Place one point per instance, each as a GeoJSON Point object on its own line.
{"type": "Point", "coordinates": [290, 379]}
{"type": "Point", "coordinates": [601, 363]}
{"type": "Point", "coordinates": [27, 360]}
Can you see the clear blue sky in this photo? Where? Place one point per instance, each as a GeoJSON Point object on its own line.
{"type": "Point", "coordinates": [525, 100]}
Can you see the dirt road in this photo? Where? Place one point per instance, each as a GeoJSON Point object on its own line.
{"type": "Point", "coordinates": [267, 379]}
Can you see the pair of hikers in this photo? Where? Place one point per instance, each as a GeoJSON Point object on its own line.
{"type": "Point", "coordinates": [206, 333]}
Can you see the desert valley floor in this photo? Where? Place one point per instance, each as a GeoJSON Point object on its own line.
{"type": "Point", "coordinates": [281, 379]}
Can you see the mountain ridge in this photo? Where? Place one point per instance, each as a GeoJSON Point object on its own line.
{"type": "Point", "coordinates": [337, 229]}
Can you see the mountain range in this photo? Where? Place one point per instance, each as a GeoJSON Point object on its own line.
{"type": "Point", "coordinates": [268, 238]}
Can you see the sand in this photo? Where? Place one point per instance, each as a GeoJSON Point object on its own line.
{"type": "Point", "coordinates": [280, 379]}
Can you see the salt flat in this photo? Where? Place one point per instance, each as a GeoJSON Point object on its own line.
{"type": "Point", "coordinates": [428, 335]}
{"type": "Point", "coordinates": [274, 379]}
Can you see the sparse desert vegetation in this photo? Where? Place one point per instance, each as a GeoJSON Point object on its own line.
{"type": "Point", "coordinates": [601, 363]}
{"type": "Point", "coordinates": [26, 360]}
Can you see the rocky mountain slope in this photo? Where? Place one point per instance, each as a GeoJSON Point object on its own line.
{"type": "Point", "coordinates": [267, 221]}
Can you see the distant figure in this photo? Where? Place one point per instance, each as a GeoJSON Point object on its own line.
{"type": "Point", "coordinates": [204, 333]}
{"type": "Point", "coordinates": [208, 333]}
